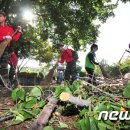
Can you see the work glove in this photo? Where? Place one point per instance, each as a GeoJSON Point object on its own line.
{"type": "Point", "coordinates": [19, 28]}
{"type": "Point", "coordinates": [7, 37]}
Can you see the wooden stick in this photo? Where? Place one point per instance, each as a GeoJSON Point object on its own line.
{"type": "Point", "coordinates": [65, 96]}
{"type": "Point", "coordinates": [4, 44]}
{"type": "Point", "coordinates": [45, 114]}
{"type": "Point", "coordinates": [7, 117]}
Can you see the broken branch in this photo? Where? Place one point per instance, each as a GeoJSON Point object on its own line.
{"type": "Point", "coordinates": [64, 96]}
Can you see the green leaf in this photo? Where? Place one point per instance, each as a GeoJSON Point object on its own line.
{"type": "Point", "coordinates": [87, 123]}
{"type": "Point", "coordinates": [128, 103]}
{"type": "Point", "coordinates": [21, 94]}
{"type": "Point", "coordinates": [20, 118]}
{"type": "Point", "coordinates": [66, 89]}
{"type": "Point", "coordinates": [48, 128]}
{"type": "Point", "coordinates": [14, 94]}
{"type": "Point", "coordinates": [75, 86]}
{"type": "Point", "coordinates": [36, 92]}
{"type": "Point", "coordinates": [116, 108]}
{"type": "Point", "coordinates": [83, 112]}
{"type": "Point", "coordinates": [27, 115]}
{"type": "Point", "coordinates": [101, 107]}
{"type": "Point", "coordinates": [82, 124]}
{"type": "Point", "coordinates": [15, 122]}
{"type": "Point", "coordinates": [77, 125]}
{"type": "Point", "coordinates": [58, 91]}
{"type": "Point", "coordinates": [101, 98]}
{"type": "Point", "coordinates": [108, 123]}
{"type": "Point", "coordinates": [93, 125]}
{"type": "Point", "coordinates": [126, 91]}
{"type": "Point", "coordinates": [41, 103]}
{"type": "Point", "coordinates": [28, 98]}
{"type": "Point", "coordinates": [102, 126]}
{"type": "Point", "coordinates": [30, 104]}
{"type": "Point", "coordinates": [21, 105]}
{"type": "Point", "coordinates": [63, 125]}
{"type": "Point", "coordinates": [36, 111]}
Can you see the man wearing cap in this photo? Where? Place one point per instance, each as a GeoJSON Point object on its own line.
{"type": "Point", "coordinates": [67, 55]}
{"type": "Point", "coordinates": [6, 33]}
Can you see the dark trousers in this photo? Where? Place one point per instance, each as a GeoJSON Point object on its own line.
{"type": "Point", "coordinates": [91, 75]}
{"type": "Point", "coordinates": [12, 72]}
{"type": "Point", "coordinates": [70, 71]}
{"type": "Point", "coordinates": [4, 65]}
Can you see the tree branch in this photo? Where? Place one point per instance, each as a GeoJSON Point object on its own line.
{"type": "Point", "coordinates": [64, 96]}
{"type": "Point", "coordinates": [45, 114]}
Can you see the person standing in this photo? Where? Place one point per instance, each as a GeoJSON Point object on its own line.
{"type": "Point", "coordinates": [13, 62]}
{"type": "Point", "coordinates": [6, 33]}
{"type": "Point", "coordinates": [90, 64]}
{"type": "Point", "coordinates": [68, 57]}
{"type": "Point", "coordinates": [60, 74]}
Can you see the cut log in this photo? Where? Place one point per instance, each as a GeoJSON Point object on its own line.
{"type": "Point", "coordinates": [64, 96]}
{"type": "Point", "coordinates": [45, 114]}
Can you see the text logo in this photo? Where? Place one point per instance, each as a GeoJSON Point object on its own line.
{"type": "Point", "coordinates": [114, 115]}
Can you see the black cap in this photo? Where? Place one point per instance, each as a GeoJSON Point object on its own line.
{"type": "Point", "coordinates": [3, 13]}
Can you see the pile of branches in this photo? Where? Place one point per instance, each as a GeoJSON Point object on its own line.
{"type": "Point", "coordinates": [88, 99]}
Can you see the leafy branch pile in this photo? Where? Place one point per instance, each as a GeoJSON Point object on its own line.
{"type": "Point", "coordinates": [88, 117]}
{"type": "Point", "coordinates": [30, 104]}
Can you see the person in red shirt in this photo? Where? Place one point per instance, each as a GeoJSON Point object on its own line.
{"type": "Point", "coordinates": [13, 62]}
{"type": "Point", "coordinates": [67, 56]}
{"type": "Point", "coordinates": [6, 33]}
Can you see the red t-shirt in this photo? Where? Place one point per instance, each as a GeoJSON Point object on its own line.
{"type": "Point", "coordinates": [7, 30]}
{"type": "Point", "coordinates": [66, 56]}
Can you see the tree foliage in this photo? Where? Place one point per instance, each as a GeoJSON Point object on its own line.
{"type": "Point", "coordinates": [68, 21]}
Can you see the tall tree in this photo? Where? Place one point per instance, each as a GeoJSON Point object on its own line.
{"type": "Point", "coordinates": [71, 22]}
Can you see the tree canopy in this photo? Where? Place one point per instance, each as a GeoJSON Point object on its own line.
{"type": "Point", "coordinates": [71, 22]}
